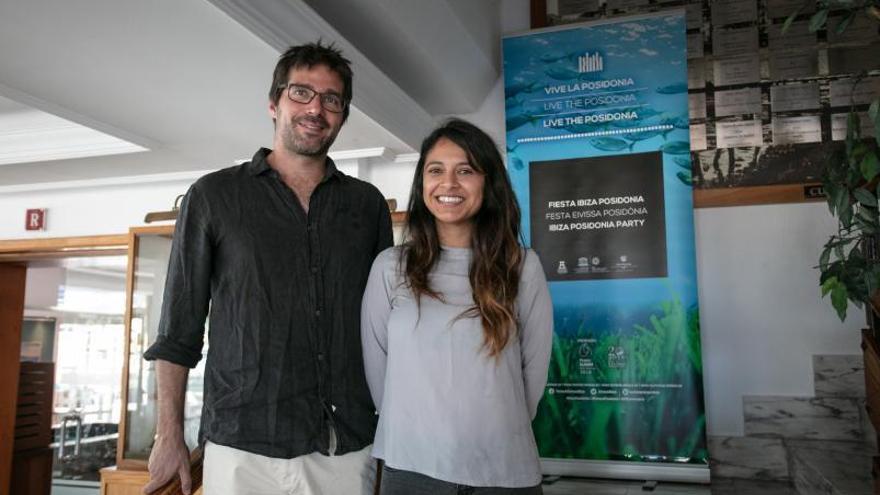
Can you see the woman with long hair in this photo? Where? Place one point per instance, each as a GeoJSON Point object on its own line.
{"type": "Point", "coordinates": [456, 329]}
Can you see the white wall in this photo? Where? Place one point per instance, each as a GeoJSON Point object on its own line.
{"type": "Point", "coordinates": [108, 209]}
{"type": "Point", "coordinates": [761, 315]}
{"type": "Point", "coordinates": [113, 208]}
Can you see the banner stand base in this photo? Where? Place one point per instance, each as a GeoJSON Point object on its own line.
{"type": "Point", "coordinates": [681, 473]}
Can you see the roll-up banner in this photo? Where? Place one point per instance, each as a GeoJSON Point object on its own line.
{"type": "Point", "coordinates": [598, 152]}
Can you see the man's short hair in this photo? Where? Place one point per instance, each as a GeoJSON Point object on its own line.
{"type": "Point", "coordinates": [309, 55]}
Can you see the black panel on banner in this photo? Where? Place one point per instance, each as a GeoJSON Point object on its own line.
{"type": "Point", "coordinates": [599, 217]}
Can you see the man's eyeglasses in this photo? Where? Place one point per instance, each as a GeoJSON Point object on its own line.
{"type": "Point", "coordinates": [331, 102]}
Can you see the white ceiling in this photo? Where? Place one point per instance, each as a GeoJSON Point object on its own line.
{"type": "Point", "coordinates": [29, 135]}
{"type": "Point", "coordinates": [456, 30]}
{"type": "Point", "coordinates": [188, 79]}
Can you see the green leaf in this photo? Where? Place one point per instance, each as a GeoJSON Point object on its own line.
{"type": "Point", "coordinates": [823, 260]}
{"type": "Point", "coordinates": [870, 165]}
{"type": "Point", "coordinates": [852, 134]}
{"type": "Point", "coordinates": [856, 154]}
{"type": "Point", "coordinates": [874, 115]}
{"type": "Point", "coordinates": [841, 199]}
{"type": "Point", "coordinates": [868, 214]}
{"type": "Point", "coordinates": [839, 300]}
{"type": "Point", "coordinates": [835, 195]}
{"type": "Point", "coordinates": [828, 285]}
{"type": "Point", "coordinates": [866, 220]}
{"type": "Point", "coordinates": [824, 275]}
{"type": "Point", "coordinates": [831, 198]}
{"type": "Point", "coordinates": [818, 20]}
{"type": "Point", "coordinates": [845, 216]}
{"type": "Point", "coordinates": [854, 177]}
{"type": "Point", "coordinates": [845, 22]}
{"type": "Point", "coordinates": [791, 18]}
{"type": "Point", "coordinates": [867, 226]}
{"type": "Point", "coordinates": [865, 197]}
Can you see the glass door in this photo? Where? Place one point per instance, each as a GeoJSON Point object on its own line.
{"type": "Point", "coordinates": [74, 309]}
{"type": "Point", "coordinates": [149, 252]}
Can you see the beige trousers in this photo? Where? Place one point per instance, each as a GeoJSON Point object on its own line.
{"type": "Point", "coordinates": [235, 472]}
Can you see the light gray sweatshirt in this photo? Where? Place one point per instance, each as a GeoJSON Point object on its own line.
{"type": "Point", "coordinates": [448, 410]}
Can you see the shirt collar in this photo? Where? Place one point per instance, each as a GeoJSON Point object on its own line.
{"type": "Point", "coordinates": [259, 165]}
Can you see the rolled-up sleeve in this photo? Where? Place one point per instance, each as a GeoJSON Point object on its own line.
{"type": "Point", "coordinates": [187, 287]}
{"type": "Point", "coordinates": [535, 315]}
{"type": "Point", "coordinates": [375, 310]}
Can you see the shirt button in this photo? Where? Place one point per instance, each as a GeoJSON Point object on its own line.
{"type": "Point", "coordinates": [317, 312]}
{"type": "Point", "coordinates": [320, 356]}
{"type": "Point", "coordinates": [314, 269]}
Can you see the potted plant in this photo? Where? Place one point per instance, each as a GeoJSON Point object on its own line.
{"type": "Point", "coordinates": [850, 261]}
{"type": "Point", "coordinates": [849, 265]}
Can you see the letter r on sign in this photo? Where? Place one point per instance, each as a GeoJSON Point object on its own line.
{"type": "Point", "coordinates": [35, 219]}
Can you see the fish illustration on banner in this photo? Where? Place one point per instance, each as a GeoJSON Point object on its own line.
{"type": "Point", "coordinates": [598, 150]}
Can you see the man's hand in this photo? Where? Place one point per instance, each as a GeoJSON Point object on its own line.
{"type": "Point", "coordinates": [169, 457]}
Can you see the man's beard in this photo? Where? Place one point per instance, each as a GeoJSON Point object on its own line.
{"type": "Point", "coordinates": [296, 144]}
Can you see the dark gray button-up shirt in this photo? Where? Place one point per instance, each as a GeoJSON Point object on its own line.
{"type": "Point", "coordinates": [285, 287]}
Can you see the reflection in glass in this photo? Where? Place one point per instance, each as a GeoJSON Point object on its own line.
{"type": "Point", "coordinates": [74, 318]}
{"type": "Point", "coordinates": [150, 267]}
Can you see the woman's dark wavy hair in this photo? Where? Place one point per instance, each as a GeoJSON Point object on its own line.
{"type": "Point", "coordinates": [497, 254]}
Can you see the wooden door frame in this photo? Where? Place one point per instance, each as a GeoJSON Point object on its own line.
{"type": "Point", "coordinates": [132, 240]}
{"type": "Point", "coordinates": [23, 250]}
{"type": "Point", "coordinates": [15, 255]}
{"type": "Point", "coordinates": [12, 278]}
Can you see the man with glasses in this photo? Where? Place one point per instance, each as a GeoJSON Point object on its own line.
{"type": "Point", "coordinates": [281, 247]}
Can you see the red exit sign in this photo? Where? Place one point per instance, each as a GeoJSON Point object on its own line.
{"type": "Point", "coordinates": [35, 219]}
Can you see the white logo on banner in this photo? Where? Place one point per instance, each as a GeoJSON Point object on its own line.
{"type": "Point", "coordinates": [562, 269]}
{"type": "Point", "coordinates": [590, 62]}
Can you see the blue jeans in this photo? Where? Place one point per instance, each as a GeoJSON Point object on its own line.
{"type": "Point", "coordinates": [400, 482]}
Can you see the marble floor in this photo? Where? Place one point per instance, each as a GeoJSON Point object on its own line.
{"type": "Point", "coordinates": [719, 486]}
{"type": "Point", "coordinates": [819, 444]}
